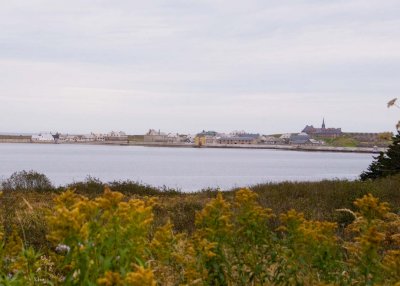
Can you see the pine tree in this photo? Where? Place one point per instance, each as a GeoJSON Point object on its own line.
{"type": "Point", "coordinates": [386, 163]}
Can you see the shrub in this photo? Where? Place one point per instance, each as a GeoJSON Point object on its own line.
{"type": "Point", "coordinates": [91, 186]}
{"type": "Point", "coordinates": [128, 187]}
{"type": "Point", "coordinates": [27, 181]}
{"type": "Point", "coordinates": [114, 240]}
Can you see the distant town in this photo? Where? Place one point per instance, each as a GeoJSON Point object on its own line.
{"type": "Point", "coordinates": [307, 137]}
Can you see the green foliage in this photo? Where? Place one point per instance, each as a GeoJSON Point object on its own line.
{"type": "Point", "coordinates": [385, 136]}
{"type": "Point", "coordinates": [386, 163]}
{"type": "Point", "coordinates": [27, 181]}
{"type": "Point", "coordinates": [103, 235]}
{"type": "Point", "coordinates": [93, 187]}
{"type": "Point", "coordinates": [133, 188]}
{"type": "Point", "coordinates": [114, 240]}
{"type": "Point", "coordinates": [136, 138]}
{"type": "Point", "coordinates": [342, 141]}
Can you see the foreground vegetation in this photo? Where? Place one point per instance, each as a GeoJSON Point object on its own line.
{"type": "Point", "coordinates": [325, 233]}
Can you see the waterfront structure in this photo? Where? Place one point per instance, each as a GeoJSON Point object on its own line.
{"type": "Point", "coordinates": [271, 140]}
{"type": "Point", "coordinates": [323, 131]}
{"type": "Point", "coordinates": [316, 142]}
{"type": "Point", "coordinates": [200, 140]}
{"type": "Point", "coordinates": [116, 136]}
{"type": "Point", "coordinates": [161, 137]}
{"type": "Point", "coordinates": [43, 137]}
{"type": "Point", "coordinates": [155, 136]}
{"type": "Point", "coordinates": [301, 138]}
{"type": "Point", "coordinates": [208, 133]}
{"type": "Point", "coordinates": [92, 137]}
{"type": "Point", "coordinates": [243, 133]}
{"type": "Point", "coordinates": [366, 137]}
{"type": "Point", "coordinates": [286, 137]}
{"type": "Point", "coordinates": [235, 137]}
{"type": "Point", "coordinates": [186, 138]}
{"type": "Point", "coordinates": [237, 140]}
{"type": "Point", "coordinates": [206, 138]}
{"type": "Point", "coordinates": [97, 136]}
{"type": "Point", "coordinates": [11, 138]}
{"type": "Point", "coordinates": [71, 138]}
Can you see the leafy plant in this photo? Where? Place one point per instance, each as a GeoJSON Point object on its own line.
{"type": "Point", "coordinates": [27, 181]}
{"type": "Point", "coordinates": [114, 240]}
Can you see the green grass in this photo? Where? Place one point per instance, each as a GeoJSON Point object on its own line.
{"type": "Point", "coordinates": [342, 141]}
{"type": "Point", "coordinates": [9, 137]}
{"type": "Point", "coordinates": [136, 138]}
{"type": "Point", "coordinates": [317, 200]}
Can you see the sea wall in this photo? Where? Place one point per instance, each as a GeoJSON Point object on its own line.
{"type": "Point", "coordinates": [162, 144]}
{"type": "Point", "coordinates": [6, 140]}
{"type": "Point", "coordinates": [300, 148]}
{"type": "Point", "coordinates": [238, 146]}
{"type": "Point", "coordinates": [275, 147]}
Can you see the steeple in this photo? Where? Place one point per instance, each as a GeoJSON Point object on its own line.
{"type": "Point", "coordinates": [323, 123]}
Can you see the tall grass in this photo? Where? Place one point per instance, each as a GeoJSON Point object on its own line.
{"type": "Point", "coordinates": [279, 234]}
{"type": "Point", "coordinates": [112, 239]}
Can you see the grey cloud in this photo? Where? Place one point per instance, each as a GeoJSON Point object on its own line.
{"type": "Point", "coordinates": [161, 61]}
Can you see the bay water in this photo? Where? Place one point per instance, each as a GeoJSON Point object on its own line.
{"type": "Point", "coordinates": [186, 169]}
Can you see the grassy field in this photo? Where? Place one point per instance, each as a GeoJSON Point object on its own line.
{"type": "Point", "coordinates": [205, 234]}
{"type": "Point", "coordinates": [348, 140]}
{"type": "Point", "coordinates": [342, 141]}
{"type": "Point", "coordinates": [317, 200]}
{"type": "Point", "coordinates": [14, 137]}
{"type": "Point", "coordinates": [136, 138]}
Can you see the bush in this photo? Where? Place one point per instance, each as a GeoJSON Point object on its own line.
{"type": "Point", "coordinates": [27, 181]}
{"type": "Point", "coordinates": [114, 240]}
{"type": "Point", "coordinates": [91, 186]}
{"type": "Point", "coordinates": [129, 187]}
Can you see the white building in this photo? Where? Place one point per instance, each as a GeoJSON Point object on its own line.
{"type": "Point", "coordinates": [42, 137]}
{"type": "Point", "coordinates": [116, 136]}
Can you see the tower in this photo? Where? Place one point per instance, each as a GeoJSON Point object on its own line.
{"type": "Point", "coordinates": [323, 123]}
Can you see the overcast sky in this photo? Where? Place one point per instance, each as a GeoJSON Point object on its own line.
{"type": "Point", "coordinates": [188, 65]}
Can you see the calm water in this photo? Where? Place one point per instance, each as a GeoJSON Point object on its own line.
{"type": "Point", "coordinates": [188, 169]}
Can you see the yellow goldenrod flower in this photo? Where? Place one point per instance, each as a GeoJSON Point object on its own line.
{"type": "Point", "coordinates": [141, 277]}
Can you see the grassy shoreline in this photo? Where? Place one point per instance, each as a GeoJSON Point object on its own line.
{"type": "Point", "coordinates": [301, 148]}
{"type": "Point", "coordinates": [317, 200]}
{"type": "Point", "coordinates": [209, 234]}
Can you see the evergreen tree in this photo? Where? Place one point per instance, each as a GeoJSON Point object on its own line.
{"type": "Point", "coordinates": [386, 163]}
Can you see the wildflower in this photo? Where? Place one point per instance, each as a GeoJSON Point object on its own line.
{"type": "Point", "coordinates": [62, 249]}
{"type": "Point", "coordinates": [163, 241]}
{"type": "Point", "coordinates": [371, 208]}
{"type": "Point", "coordinates": [207, 248]}
{"type": "Point", "coordinates": [141, 277]}
{"type": "Point", "coordinates": [76, 274]}
{"type": "Point", "coordinates": [373, 250]}
{"type": "Point", "coordinates": [110, 279]}
{"type": "Point", "coordinates": [214, 221]}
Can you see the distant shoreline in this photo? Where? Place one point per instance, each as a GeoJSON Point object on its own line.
{"type": "Point", "coordinates": [271, 147]}
{"type": "Point", "coordinates": [308, 148]}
